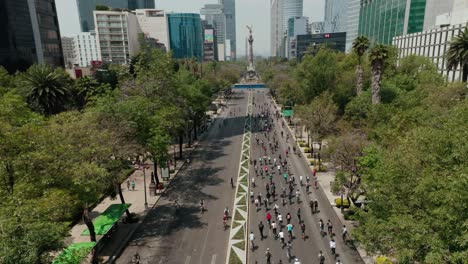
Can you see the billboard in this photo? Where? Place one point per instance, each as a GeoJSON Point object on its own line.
{"type": "Point", "coordinates": [209, 35]}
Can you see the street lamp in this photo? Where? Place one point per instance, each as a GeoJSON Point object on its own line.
{"type": "Point", "coordinates": [143, 167]}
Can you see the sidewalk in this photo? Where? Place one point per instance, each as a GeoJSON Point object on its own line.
{"type": "Point", "coordinates": [324, 181]}
{"type": "Point", "coordinates": [113, 246]}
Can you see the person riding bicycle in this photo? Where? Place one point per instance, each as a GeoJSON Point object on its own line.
{"type": "Point", "coordinates": [333, 246]}
{"type": "Point", "coordinates": [344, 232]}
{"type": "Point", "coordinates": [339, 262]}
{"type": "Point", "coordinates": [303, 228]}
{"type": "Point", "coordinates": [252, 238]}
{"type": "Point", "coordinates": [226, 211]}
{"type": "Point", "coordinates": [202, 203]}
{"type": "Point", "coordinates": [321, 257]}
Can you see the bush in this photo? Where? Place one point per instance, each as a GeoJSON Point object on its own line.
{"type": "Point", "coordinates": [307, 150]}
{"type": "Point", "coordinates": [346, 203]}
{"type": "Point", "coordinates": [322, 168]}
{"type": "Point", "coordinates": [383, 260]}
{"type": "Point", "coordinates": [351, 214]}
{"type": "Point", "coordinates": [311, 162]}
{"type": "Point", "coordinates": [303, 144]}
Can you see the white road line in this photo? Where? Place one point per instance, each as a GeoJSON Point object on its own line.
{"type": "Point", "coordinates": [213, 259]}
{"type": "Point", "coordinates": [187, 260]}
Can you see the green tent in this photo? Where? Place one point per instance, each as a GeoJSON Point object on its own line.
{"type": "Point", "coordinates": [104, 222]}
{"type": "Point", "coordinates": [288, 113]}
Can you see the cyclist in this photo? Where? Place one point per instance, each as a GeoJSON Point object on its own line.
{"type": "Point", "coordinates": [321, 258]}
{"type": "Point", "coordinates": [274, 227]}
{"type": "Point", "coordinates": [290, 228]}
{"type": "Point", "coordinates": [298, 195]}
{"type": "Point", "coordinates": [226, 211]}
{"type": "Point", "coordinates": [344, 233]}
{"type": "Point", "coordinates": [299, 215]}
{"type": "Point", "coordinates": [268, 256]}
{"type": "Point", "coordinates": [329, 227]}
{"type": "Point", "coordinates": [333, 247]}
{"type": "Point", "coordinates": [232, 183]}
{"type": "Point", "coordinates": [281, 236]}
{"type": "Point", "coordinates": [225, 221]}
{"type": "Point", "coordinates": [260, 228]}
{"type": "Point", "coordinates": [303, 227]}
{"type": "Point", "coordinates": [300, 180]}
{"type": "Point", "coordinates": [339, 262]}
{"type": "Point", "coordinates": [288, 217]}
{"type": "Point", "coordinates": [252, 238]}
{"type": "Point", "coordinates": [288, 248]}
{"type": "Point", "coordinates": [321, 226]}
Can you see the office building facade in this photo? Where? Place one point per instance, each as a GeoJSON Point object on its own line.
{"type": "Point", "coordinates": [86, 8]}
{"type": "Point", "coordinates": [333, 40]}
{"type": "Point", "coordinates": [154, 25]}
{"type": "Point", "coordinates": [86, 49]}
{"type": "Point", "coordinates": [229, 7]}
{"type": "Point", "coordinates": [335, 19]}
{"type": "Point", "coordinates": [117, 36]}
{"type": "Point", "coordinates": [69, 52]}
{"type": "Point", "coordinates": [214, 16]}
{"type": "Point", "coordinates": [186, 36]}
{"type": "Point", "coordinates": [30, 34]}
{"type": "Point", "coordinates": [210, 45]}
{"type": "Point", "coordinates": [296, 26]}
{"type": "Point", "coordinates": [276, 26]}
{"type": "Point", "coordinates": [381, 20]}
{"type": "Point", "coordinates": [316, 27]}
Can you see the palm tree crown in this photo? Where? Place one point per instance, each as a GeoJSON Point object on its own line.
{"type": "Point", "coordinates": [458, 53]}
{"type": "Point", "coordinates": [48, 88]}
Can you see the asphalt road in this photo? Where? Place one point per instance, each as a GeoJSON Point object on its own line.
{"type": "Point", "coordinates": [187, 236]}
{"type": "Point", "coordinates": [305, 250]}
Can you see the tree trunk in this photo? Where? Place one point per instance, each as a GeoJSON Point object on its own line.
{"type": "Point", "coordinates": [122, 200]}
{"type": "Point", "coordinates": [376, 82]}
{"type": "Point", "coordinates": [181, 142]}
{"type": "Point", "coordinates": [465, 73]}
{"type": "Point", "coordinates": [189, 138]}
{"type": "Point", "coordinates": [359, 79]}
{"type": "Point", "coordinates": [195, 131]}
{"type": "Point", "coordinates": [155, 170]}
{"type": "Point", "coordinates": [89, 224]}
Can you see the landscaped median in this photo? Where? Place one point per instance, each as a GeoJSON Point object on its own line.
{"type": "Point", "coordinates": [237, 247]}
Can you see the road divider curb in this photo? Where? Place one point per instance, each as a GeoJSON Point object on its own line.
{"type": "Point", "coordinates": [237, 247]}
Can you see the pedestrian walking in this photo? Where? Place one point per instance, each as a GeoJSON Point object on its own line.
{"type": "Point", "coordinates": [321, 258]}
{"type": "Point", "coordinates": [280, 220]}
{"type": "Point", "coordinates": [299, 215]}
{"type": "Point", "coordinates": [268, 256]}
{"type": "Point", "coordinates": [329, 227]}
{"type": "Point", "coordinates": [133, 185]}
{"type": "Point", "coordinates": [274, 228]}
{"type": "Point", "coordinates": [316, 206]}
{"type": "Point", "coordinates": [128, 185]}
{"type": "Point", "coordinates": [290, 227]}
{"type": "Point", "coordinates": [288, 218]}
{"type": "Point", "coordinates": [281, 236]}
{"type": "Point", "coordinates": [268, 217]}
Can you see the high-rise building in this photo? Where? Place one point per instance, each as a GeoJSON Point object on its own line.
{"type": "Point", "coordinates": [30, 34]}
{"type": "Point", "coordinates": [118, 35]}
{"type": "Point", "coordinates": [154, 25]}
{"type": "Point", "coordinates": [291, 8]}
{"type": "Point", "coordinates": [276, 25]}
{"type": "Point", "coordinates": [86, 48]}
{"type": "Point", "coordinates": [214, 16]}
{"type": "Point", "coordinates": [86, 8]}
{"type": "Point", "coordinates": [352, 21]}
{"type": "Point", "coordinates": [69, 53]}
{"type": "Point", "coordinates": [433, 9]}
{"type": "Point", "coordinates": [210, 45]}
{"type": "Point", "coordinates": [296, 26]}
{"type": "Point", "coordinates": [229, 7]}
{"type": "Point", "coordinates": [381, 20]}
{"type": "Point", "coordinates": [186, 36]}
{"type": "Point", "coordinates": [335, 16]}
{"type": "Point", "coordinates": [308, 43]}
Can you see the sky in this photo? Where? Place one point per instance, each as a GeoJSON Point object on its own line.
{"type": "Point", "coordinates": [248, 12]}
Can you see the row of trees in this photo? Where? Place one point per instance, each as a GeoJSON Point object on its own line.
{"type": "Point", "coordinates": [65, 144]}
{"type": "Point", "coordinates": [396, 135]}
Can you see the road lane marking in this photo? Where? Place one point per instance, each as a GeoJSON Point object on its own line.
{"type": "Point", "coordinates": [213, 259]}
{"type": "Point", "coordinates": [187, 259]}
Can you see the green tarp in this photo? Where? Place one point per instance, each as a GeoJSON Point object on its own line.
{"type": "Point", "coordinates": [75, 253]}
{"type": "Point", "coordinates": [288, 113]}
{"type": "Point", "coordinates": [104, 222]}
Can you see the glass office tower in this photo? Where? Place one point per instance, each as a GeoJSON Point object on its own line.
{"type": "Point", "coordinates": [229, 7]}
{"type": "Point", "coordinates": [86, 8]}
{"type": "Point", "coordinates": [185, 34]}
{"type": "Point", "coordinates": [30, 34]}
{"type": "Point", "coordinates": [381, 20]}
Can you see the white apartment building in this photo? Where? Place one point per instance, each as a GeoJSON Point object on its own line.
{"type": "Point", "coordinates": [435, 42]}
{"type": "Point", "coordinates": [86, 49]}
{"type": "Point", "coordinates": [154, 24]}
{"type": "Point", "coordinates": [432, 44]}
{"type": "Point", "coordinates": [117, 35]}
{"type": "Point", "coordinates": [276, 34]}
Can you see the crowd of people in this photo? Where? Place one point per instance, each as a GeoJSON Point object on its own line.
{"type": "Point", "coordinates": [275, 188]}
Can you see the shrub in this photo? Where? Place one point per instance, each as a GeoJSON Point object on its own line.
{"type": "Point", "coordinates": [307, 150]}
{"type": "Point", "coordinates": [345, 203]}
{"type": "Point", "coordinates": [322, 168]}
{"type": "Point", "coordinates": [311, 162]}
{"type": "Point", "coordinates": [384, 260]}
{"type": "Point", "coordinates": [351, 214]}
{"type": "Point", "coordinates": [303, 144]}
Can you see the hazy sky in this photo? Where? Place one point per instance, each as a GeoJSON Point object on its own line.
{"type": "Point", "coordinates": [248, 12]}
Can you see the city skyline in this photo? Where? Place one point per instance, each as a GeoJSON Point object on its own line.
{"type": "Point", "coordinates": [256, 13]}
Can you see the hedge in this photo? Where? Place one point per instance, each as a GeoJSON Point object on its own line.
{"type": "Point", "coordinates": [346, 202]}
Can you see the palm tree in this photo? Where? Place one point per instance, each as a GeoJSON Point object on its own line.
{"type": "Point", "coordinates": [377, 57]}
{"type": "Point", "coordinates": [360, 46]}
{"type": "Point", "coordinates": [458, 54]}
{"type": "Point", "coordinates": [48, 89]}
